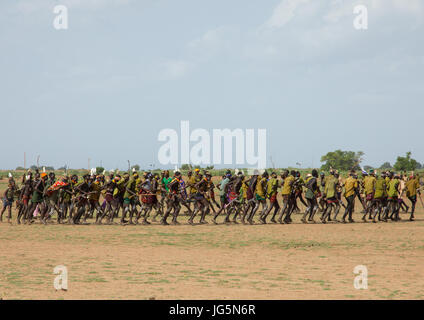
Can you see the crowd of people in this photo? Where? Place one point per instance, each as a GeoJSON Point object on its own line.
{"type": "Point", "coordinates": [134, 198]}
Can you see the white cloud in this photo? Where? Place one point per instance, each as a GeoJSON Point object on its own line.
{"type": "Point", "coordinates": [94, 3]}
{"type": "Point", "coordinates": [213, 42]}
{"type": "Point", "coordinates": [283, 13]}
{"type": "Point", "coordinates": [409, 6]}
{"type": "Point", "coordinates": [173, 69]}
{"type": "Point", "coordinates": [322, 33]}
{"type": "Point", "coordinates": [28, 7]}
{"type": "Point", "coordinates": [210, 39]}
{"type": "Point", "coordinates": [338, 10]}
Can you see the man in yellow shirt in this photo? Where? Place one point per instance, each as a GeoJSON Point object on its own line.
{"type": "Point", "coordinates": [193, 181]}
{"type": "Point", "coordinates": [330, 194]}
{"type": "Point", "coordinates": [369, 190]}
{"type": "Point", "coordinates": [412, 187]}
{"type": "Point", "coordinates": [393, 193]}
{"type": "Point", "coordinates": [287, 193]}
{"type": "Point", "coordinates": [260, 196]}
{"type": "Point", "coordinates": [380, 196]}
{"type": "Point", "coordinates": [351, 189]}
{"type": "Point", "coordinates": [271, 194]}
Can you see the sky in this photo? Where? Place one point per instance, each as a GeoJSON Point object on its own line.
{"type": "Point", "coordinates": [126, 69]}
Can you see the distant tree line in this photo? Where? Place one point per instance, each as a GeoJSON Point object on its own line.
{"type": "Point", "coordinates": [350, 160]}
{"type": "Point", "coordinates": [338, 159]}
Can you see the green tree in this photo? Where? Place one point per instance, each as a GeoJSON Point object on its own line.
{"type": "Point", "coordinates": [185, 166]}
{"type": "Point", "coordinates": [368, 168]}
{"type": "Point", "coordinates": [406, 163]}
{"type": "Point", "coordinates": [386, 166]}
{"type": "Point", "coordinates": [136, 167]}
{"type": "Point", "coordinates": [342, 160]}
{"type": "Point", "coordinates": [99, 170]}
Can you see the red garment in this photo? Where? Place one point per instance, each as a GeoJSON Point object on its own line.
{"type": "Point", "coordinates": [232, 195]}
{"type": "Point", "coordinates": [57, 185]}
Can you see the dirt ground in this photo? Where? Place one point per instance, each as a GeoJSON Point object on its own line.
{"type": "Point", "coordinates": [294, 261]}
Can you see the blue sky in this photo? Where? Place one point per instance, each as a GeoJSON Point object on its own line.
{"type": "Point", "coordinates": [124, 70]}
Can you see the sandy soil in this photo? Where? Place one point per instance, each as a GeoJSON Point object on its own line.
{"type": "Point", "coordinates": [214, 262]}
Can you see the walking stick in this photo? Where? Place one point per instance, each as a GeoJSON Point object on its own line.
{"type": "Point", "coordinates": [216, 203]}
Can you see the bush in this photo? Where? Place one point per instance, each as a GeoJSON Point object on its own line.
{"type": "Point", "coordinates": [406, 163]}
{"type": "Point", "coordinates": [99, 170]}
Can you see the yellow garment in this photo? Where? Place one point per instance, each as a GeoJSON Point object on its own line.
{"type": "Point", "coordinates": [244, 188]}
{"type": "Point", "coordinates": [387, 185]}
{"type": "Point", "coordinates": [411, 187]}
{"type": "Point", "coordinates": [120, 185]}
{"type": "Point", "coordinates": [350, 185]}
{"type": "Point", "coordinates": [287, 186]}
{"type": "Point", "coordinates": [330, 186]}
{"type": "Point", "coordinates": [259, 187]}
{"type": "Point", "coordinates": [393, 188]}
{"type": "Point", "coordinates": [193, 180]}
{"type": "Point", "coordinates": [95, 189]}
{"type": "Point", "coordinates": [272, 186]}
{"type": "Point", "coordinates": [138, 182]}
{"type": "Point", "coordinates": [380, 188]}
{"type": "Point", "coordinates": [369, 184]}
